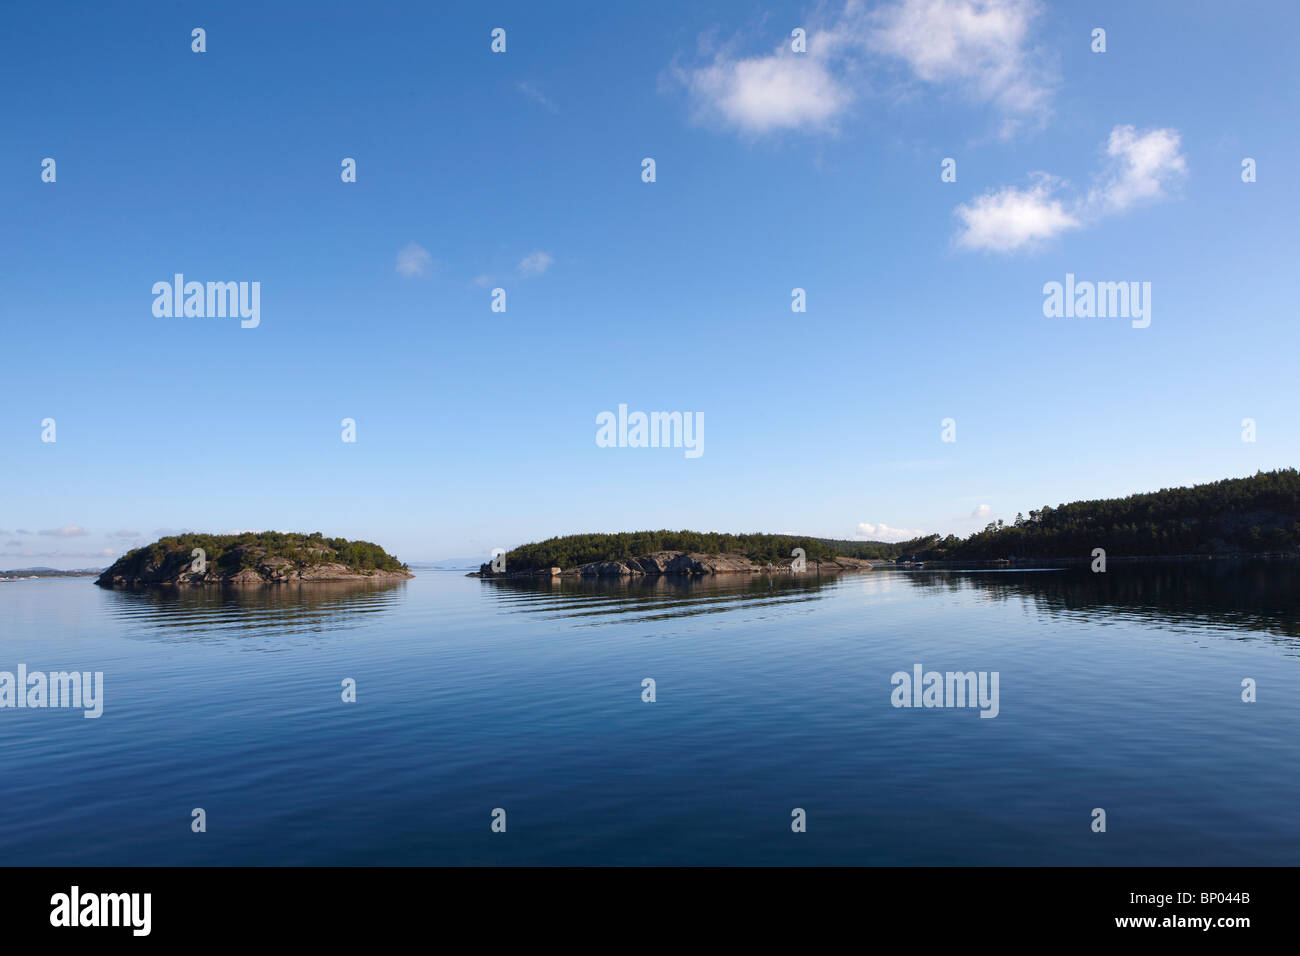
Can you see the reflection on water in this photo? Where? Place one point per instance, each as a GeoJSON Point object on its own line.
{"type": "Point", "coordinates": [1258, 598]}
{"type": "Point", "coordinates": [1120, 690]}
{"type": "Point", "coordinates": [211, 614]}
{"type": "Point", "coordinates": [609, 600]}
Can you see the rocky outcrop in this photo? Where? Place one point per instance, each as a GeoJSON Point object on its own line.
{"type": "Point", "coordinates": [175, 569]}
{"type": "Point", "coordinates": [678, 563]}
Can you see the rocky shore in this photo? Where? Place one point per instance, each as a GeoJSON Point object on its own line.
{"type": "Point", "coordinates": [269, 572]}
{"type": "Point", "coordinates": [676, 563]}
{"type": "Point", "coordinates": [243, 561]}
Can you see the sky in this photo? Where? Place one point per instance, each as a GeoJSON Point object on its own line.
{"type": "Point", "coordinates": [522, 170]}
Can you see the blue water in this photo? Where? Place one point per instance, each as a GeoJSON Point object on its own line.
{"type": "Point", "coordinates": [1120, 691]}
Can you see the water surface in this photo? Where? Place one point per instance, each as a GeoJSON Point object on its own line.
{"type": "Point", "coordinates": [1119, 690]}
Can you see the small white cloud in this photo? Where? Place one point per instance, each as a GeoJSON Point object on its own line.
{"type": "Point", "coordinates": [414, 260]}
{"type": "Point", "coordinates": [1142, 166]}
{"type": "Point", "coordinates": [883, 532]}
{"type": "Point", "coordinates": [981, 46]}
{"type": "Point", "coordinates": [534, 264]}
{"type": "Point", "coordinates": [1009, 218]}
{"type": "Point", "coordinates": [766, 93]}
{"type": "Point", "coordinates": [981, 511]}
{"type": "Point", "coordinates": [67, 531]}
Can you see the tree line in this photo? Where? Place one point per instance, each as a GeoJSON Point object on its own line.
{"type": "Point", "coordinates": [232, 552]}
{"type": "Point", "coordinates": [1251, 515]}
{"type": "Point", "coordinates": [570, 551]}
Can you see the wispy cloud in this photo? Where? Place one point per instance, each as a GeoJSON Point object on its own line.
{"type": "Point", "coordinates": [414, 260]}
{"type": "Point", "coordinates": [1140, 167]}
{"type": "Point", "coordinates": [883, 532]}
{"type": "Point", "coordinates": [534, 264]}
{"type": "Point", "coordinates": [982, 48]}
{"type": "Point", "coordinates": [531, 91]}
{"type": "Point", "coordinates": [67, 531]}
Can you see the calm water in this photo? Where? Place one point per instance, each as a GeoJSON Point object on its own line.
{"type": "Point", "coordinates": [1120, 691]}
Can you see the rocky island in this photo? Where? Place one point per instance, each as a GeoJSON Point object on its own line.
{"type": "Point", "coordinates": [267, 557]}
{"type": "Point", "coordinates": [664, 553]}
{"type": "Point", "coordinates": [680, 562]}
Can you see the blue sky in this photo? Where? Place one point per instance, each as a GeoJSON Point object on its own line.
{"type": "Point", "coordinates": [522, 170]}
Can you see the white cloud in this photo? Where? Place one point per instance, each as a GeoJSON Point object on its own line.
{"type": "Point", "coordinates": [762, 94]}
{"type": "Point", "coordinates": [883, 532]}
{"type": "Point", "coordinates": [982, 46]}
{"type": "Point", "coordinates": [67, 531]}
{"type": "Point", "coordinates": [414, 260]}
{"type": "Point", "coordinates": [1010, 218]}
{"type": "Point", "coordinates": [534, 264]}
{"type": "Point", "coordinates": [1141, 166]}
{"type": "Point", "coordinates": [981, 511]}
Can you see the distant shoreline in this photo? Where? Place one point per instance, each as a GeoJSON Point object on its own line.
{"type": "Point", "coordinates": [24, 574]}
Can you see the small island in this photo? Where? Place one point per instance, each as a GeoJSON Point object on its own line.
{"type": "Point", "coordinates": [264, 557]}
{"type": "Point", "coordinates": [690, 553]}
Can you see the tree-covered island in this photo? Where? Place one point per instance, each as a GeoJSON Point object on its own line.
{"type": "Point", "coordinates": [255, 557]}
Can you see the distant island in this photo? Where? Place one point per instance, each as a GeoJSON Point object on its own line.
{"type": "Point", "coordinates": [265, 557]}
{"type": "Point", "coordinates": [17, 574]}
{"type": "Point", "coordinates": [1236, 517]}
